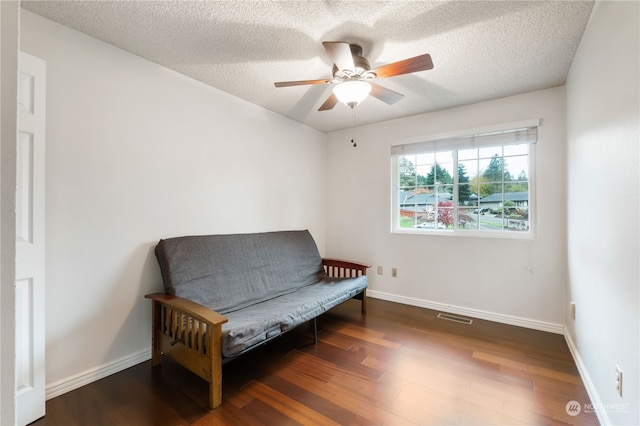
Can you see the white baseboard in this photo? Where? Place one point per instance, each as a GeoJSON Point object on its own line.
{"type": "Point", "coordinates": [596, 402]}
{"type": "Point", "coordinates": [475, 313]}
{"type": "Point", "coordinates": [74, 382]}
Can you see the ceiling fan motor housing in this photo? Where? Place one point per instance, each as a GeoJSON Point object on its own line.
{"type": "Point", "coordinates": [360, 63]}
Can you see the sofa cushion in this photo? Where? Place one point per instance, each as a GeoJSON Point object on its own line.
{"type": "Point", "coordinates": [230, 272]}
{"type": "Point", "coordinates": [254, 324]}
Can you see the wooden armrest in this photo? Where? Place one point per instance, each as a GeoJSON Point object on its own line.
{"type": "Point", "coordinates": [340, 263]}
{"type": "Point", "coordinates": [344, 268]}
{"type": "Point", "coordinates": [197, 310]}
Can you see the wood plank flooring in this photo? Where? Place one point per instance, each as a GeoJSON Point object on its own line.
{"type": "Point", "coordinates": [396, 365]}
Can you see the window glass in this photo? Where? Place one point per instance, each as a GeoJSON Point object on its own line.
{"type": "Point", "coordinates": [484, 189]}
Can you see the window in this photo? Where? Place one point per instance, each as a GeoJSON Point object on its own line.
{"type": "Point", "coordinates": [474, 185]}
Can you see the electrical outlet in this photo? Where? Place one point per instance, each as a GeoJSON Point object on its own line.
{"type": "Point", "coordinates": [394, 272]}
{"type": "Point", "coordinates": [619, 380]}
{"type": "Point", "coordinates": [573, 310]}
{"type": "Point", "coordinates": [380, 270]}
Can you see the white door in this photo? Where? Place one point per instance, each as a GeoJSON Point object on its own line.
{"type": "Point", "coordinates": [30, 344]}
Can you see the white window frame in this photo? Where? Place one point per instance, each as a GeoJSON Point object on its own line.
{"type": "Point", "coordinates": [454, 141]}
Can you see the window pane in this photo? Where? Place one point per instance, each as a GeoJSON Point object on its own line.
{"type": "Point", "coordinates": [445, 173]}
{"type": "Point", "coordinates": [493, 193]}
{"type": "Point", "coordinates": [467, 196]}
{"type": "Point", "coordinates": [516, 187]}
{"type": "Point", "coordinates": [468, 174]}
{"type": "Point", "coordinates": [423, 171]}
{"type": "Point", "coordinates": [407, 171]}
{"type": "Point", "coordinates": [490, 221]}
{"type": "Point", "coordinates": [517, 206]}
{"type": "Point", "coordinates": [444, 193]}
{"type": "Point", "coordinates": [493, 171]}
{"type": "Point", "coordinates": [411, 204]}
{"type": "Point", "coordinates": [517, 167]}
{"type": "Point", "coordinates": [407, 218]}
{"type": "Point", "coordinates": [470, 167]}
{"type": "Point", "coordinates": [444, 215]}
{"type": "Point", "coordinates": [440, 173]}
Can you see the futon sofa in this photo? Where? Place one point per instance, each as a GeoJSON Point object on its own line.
{"type": "Point", "coordinates": [227, 294]}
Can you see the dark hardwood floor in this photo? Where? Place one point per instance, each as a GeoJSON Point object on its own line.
{"type": "Point", "coordinates": [395, 365]}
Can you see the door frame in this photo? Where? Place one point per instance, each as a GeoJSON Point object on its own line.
{"type": "Point", "coordinates": [9, 46]}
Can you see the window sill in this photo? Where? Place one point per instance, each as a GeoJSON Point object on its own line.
{"type": "Point", "coordinates": [461, 233]}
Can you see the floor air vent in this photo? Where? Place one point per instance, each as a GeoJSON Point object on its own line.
{"type": "Point", "coordinates": [455, 318]}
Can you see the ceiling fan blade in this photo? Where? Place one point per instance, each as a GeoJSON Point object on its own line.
{"type": "Point", "coordinates": [387, 96]}
{"type": "Point", "coordinates": [340, 54]}
{"type": "Point", "coordinates": [331, 101]}
{"type": "Point", "coordinates": [419, 63]}
{"type": "Point", "coordinates": [299, 83]}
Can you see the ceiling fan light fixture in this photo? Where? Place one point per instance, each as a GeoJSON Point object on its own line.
{"type": "Point", "coordinates": [351, 93]}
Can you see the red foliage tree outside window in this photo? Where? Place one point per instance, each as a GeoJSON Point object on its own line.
{"type": "Point", "coordinates": [446, 215]}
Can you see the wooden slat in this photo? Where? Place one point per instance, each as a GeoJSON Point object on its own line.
{"type": "Point", "coordinates": [200, 312]}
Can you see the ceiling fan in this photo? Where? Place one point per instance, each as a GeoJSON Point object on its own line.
{"type": "Point", "coordinates": [353, 76]}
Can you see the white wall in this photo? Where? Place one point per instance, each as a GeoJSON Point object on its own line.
{"type": "Point", "coordinates": [484, 277]}
{"type": "Point", "coordinates": [135, 153]}
{"type": "Point", "coordinates": [603, 166]}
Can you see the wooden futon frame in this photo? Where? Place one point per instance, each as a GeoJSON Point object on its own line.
{"type": "Point", "coordinates": [190, 333]}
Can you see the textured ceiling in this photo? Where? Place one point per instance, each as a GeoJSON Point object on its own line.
{"type": "Point", "coordinates": [481, 50]}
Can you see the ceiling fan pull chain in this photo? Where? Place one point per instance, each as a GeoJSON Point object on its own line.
{"type": "Point", "coordinates": [353, 131]}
